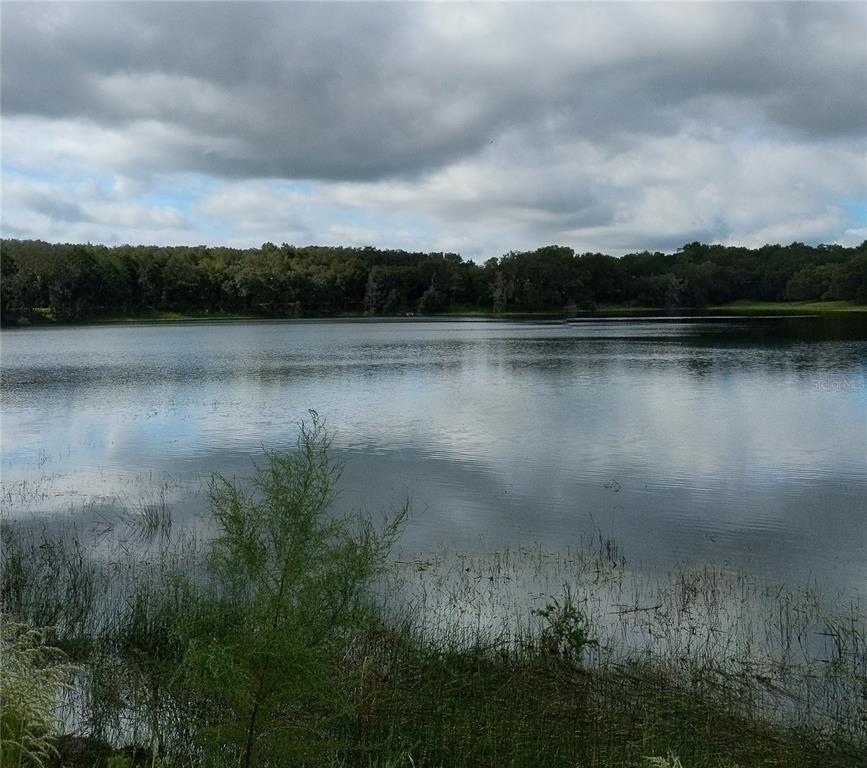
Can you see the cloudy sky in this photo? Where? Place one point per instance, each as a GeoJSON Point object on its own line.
{"type": "Point", "coordinates": [471, 128]}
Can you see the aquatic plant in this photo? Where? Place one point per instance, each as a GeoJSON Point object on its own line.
{"type": "Point", "coordinates": [567, 631]}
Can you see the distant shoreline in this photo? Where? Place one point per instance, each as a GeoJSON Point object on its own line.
{"type": "Point", "coordinates": [739, 309]}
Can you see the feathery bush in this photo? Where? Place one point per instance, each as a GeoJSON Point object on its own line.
{"type": "Point", "coordinates": [32, 675]}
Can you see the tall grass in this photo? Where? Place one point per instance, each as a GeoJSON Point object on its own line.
{"type": "Point", "coordinates": [32, 676]}
{"type": "Point", "coordinates": [291, 638]}
{"type": "Point", "coordinates": [787, 655]}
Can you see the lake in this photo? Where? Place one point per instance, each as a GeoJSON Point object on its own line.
{"type": "Point", "coordinates": [737, 442]}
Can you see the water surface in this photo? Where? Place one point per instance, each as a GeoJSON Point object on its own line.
{"type": "Point", "coordinates": [737, 442]}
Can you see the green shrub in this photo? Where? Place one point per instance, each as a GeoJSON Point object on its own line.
{"type": "Point", "coordinates": [566, 631]}
{"type": "Point", "coordinates": [288, 592]}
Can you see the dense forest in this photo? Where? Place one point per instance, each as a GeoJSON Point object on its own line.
{"type": "Point", "coordinates": [74, 282]}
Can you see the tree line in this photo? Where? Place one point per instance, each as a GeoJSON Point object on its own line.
{"type": "Point", "coordinates": [74, 281]}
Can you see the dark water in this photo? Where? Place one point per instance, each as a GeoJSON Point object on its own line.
{"type": "Point", "coordinates": [737, 442]}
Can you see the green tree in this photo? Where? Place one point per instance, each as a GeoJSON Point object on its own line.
{"type": "Point", "coordinates": [373, 292]}
{"type": "Point", "coordinates": [433, 301]}
{"type": "Point", "coordinates": [182, 282]}
{"type": "Point", "coordinates": [810, 283]}
{"type": "Point", "coordinates": [75, 286]}
{"type": "Point", "coordinates": [850, 280]}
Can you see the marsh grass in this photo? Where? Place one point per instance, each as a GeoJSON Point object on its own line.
{"type": "Point", "coordinates": [32, 676]}
{"type": "Point", "coordinates": [152, 516]}
{"type": "Point", "coordinates": [785, 654]}
{"type": "Point", "coordinates": [292, 638]}
{"type": "Point", "coordinates": [717, 664]}
{"type": "Point", "coordinates": [48, 582]}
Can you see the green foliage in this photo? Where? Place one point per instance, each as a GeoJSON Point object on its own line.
{"type": "Point", "coordinates": [811, 283]}
{"type": "Point", "coordinates": [849, 281]}
{"type": "Point", "coordinates": [32, 675]}
{"type": "Point", "coordinates": [566, 631]}
{"type": "Point", "coordinates": [289, 592]}
{"type": "Point", "coordinates": [433, 301]}
{"type": "Point", "coordinates": [73, 282]}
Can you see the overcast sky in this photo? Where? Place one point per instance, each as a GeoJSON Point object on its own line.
{"type": "Point", "coordinates": [470, 128]}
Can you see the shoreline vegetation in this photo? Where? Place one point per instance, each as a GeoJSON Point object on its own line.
{"type": "Point", "coordinates": [293, 638]}
{"type": "Point", "coordinates": [42, 317]}
{"type": "Point", "coordinates": [66, 283]}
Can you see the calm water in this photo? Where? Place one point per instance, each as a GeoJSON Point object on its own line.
{"type": "Point", "coordinates": [738, 442]}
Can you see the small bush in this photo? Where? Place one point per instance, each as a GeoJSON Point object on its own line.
{"type": "Point", "coordinates": [566, 631]}
{"type": "Point", "coordinates": [288, 591]}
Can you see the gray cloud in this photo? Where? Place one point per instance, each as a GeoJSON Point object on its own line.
{"type": "Point", "coordinates": [364, 91]}
{"type": "Point", "coordinates": [598, 125]}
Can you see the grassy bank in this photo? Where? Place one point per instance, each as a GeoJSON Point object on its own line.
{"type": "Point", "coordinates": [745, 308]}
{"type": "Point", "coordinates": [293, 638]}
{"type": "Point", "coordinates": [790, 307]}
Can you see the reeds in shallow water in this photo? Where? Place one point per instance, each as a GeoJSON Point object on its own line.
{"type": "Point", "coordinates": [287, 640]}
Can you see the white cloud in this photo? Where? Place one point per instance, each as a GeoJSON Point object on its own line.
{"type": "Point", "coordinates": [84, 211]}
{"type": "Point", "coordinates": [479, 128]}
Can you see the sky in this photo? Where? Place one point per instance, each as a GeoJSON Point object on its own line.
{"type": "Point", "coordinates": [470, 128]}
